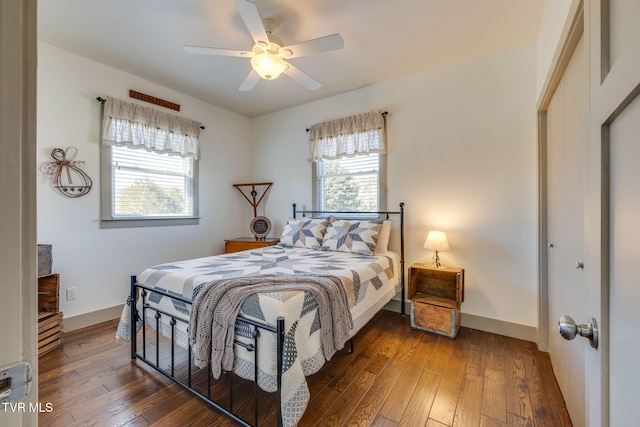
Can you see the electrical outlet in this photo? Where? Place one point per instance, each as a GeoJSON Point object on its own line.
{"type": "Point", "coordinates": [72, 293]}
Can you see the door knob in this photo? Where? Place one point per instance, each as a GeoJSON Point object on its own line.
{"type": "Point", "coordinates": [579, 265]}
{"type": "Point", "coordinates": [569, 329]}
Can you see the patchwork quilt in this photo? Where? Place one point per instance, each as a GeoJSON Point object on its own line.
{"type": "Point", "coordinates": [370, 282]}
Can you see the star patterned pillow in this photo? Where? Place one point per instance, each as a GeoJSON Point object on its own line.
{"type": "Point", "coordinates": [352, 236]}
{"type": "Point", "coordinates": [304, 233]}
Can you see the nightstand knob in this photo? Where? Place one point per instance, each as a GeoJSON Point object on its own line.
{"type": "Point", "coordinates": [579, 265]}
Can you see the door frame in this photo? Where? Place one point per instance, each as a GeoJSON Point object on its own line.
{"type": "Point", "coordinates": [18, 259]}
{"type": "Point", "coordinates": [571, 34]}
{"type": "Point", "coordinates": [579, 24]}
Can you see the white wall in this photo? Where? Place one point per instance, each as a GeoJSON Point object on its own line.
{"type": "Point", "coordinates": [462, 156]}
{"type": "Point", "coordinates": [98, 262]}
{"type": "Point", "coordinates": [555, 22]}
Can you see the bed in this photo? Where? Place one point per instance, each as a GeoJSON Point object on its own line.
{"type": "Point", "coordinates": [273, 315]}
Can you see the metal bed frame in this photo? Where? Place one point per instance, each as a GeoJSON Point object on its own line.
{"type": "Point", "coordinates": [256, 329]}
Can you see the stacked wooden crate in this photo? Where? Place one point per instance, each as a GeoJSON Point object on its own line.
{"type": "Point", "coordinates": [50, 328]}
{"type": "Point", "coordinates": [436, 294]}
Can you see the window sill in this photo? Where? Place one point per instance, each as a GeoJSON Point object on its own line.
{"type": "Point", "coordinates": [147, 222]}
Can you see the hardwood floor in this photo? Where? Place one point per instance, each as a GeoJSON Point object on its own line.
{"type": "Point", "coordinates": [396, 376]}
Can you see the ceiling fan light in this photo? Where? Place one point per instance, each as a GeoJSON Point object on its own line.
{"type": "Point", "coordinates": [268, 66]}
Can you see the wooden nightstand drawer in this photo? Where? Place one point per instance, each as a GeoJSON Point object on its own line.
{"type": "Point", "coordinates": [435, 315]}
{"type": "Point", "coordinates": [245, 243]}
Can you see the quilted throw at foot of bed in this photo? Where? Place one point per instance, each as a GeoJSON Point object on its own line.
{"type": "Point", "coordinates": [217, 304]}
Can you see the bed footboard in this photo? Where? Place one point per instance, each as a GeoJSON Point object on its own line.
{"type": "Point", "coordinates": [179, 367]}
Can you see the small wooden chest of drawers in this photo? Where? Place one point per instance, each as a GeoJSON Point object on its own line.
{"type": "Point", "coordinates": [436, 294]}
{"type": "Point", "coordinates": [245, 243]}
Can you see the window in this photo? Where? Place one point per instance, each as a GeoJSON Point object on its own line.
{"type": "Point", "coordinates": [351, 184]}
{"type": "Point", "coordinates": [349, 169]}
{"type": "Point", "coordinates": [149, 171]}
{"type": "Point", "coordinates": [148, 189]}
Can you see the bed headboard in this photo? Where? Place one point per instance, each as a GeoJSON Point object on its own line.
{"type": "Point", "coordinates": [368, 215]}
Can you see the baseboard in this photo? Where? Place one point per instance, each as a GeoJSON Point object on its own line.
{"type": "Point", "coordinates": [500, 327]}
{"type": "Point", "coordinates": [93, 318]}
{"type": "Point", "coordinates": [495, 326]}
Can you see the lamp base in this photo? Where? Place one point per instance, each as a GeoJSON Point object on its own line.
{"type": "Point", "coordinates": [436, 260]}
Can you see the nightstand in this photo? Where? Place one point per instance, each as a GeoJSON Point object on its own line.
{"type": "Point", "coordinates": [436, 294]}
{"type": "Point", "coordinates": [245, 243]}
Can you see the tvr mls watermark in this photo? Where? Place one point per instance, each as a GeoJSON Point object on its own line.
{"type": "Point", "coordinates": [27, 407]}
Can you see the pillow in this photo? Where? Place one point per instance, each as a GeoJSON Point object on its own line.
{"type": "Point", "coordinates": [382, 246]}
{"type": "Point", "coordinates": [304, 233]}
{"type": "Point", "coordinates": [351, 236]}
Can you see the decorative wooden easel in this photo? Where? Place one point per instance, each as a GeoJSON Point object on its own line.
{"type": "Point", "coordinates": [254, 201]}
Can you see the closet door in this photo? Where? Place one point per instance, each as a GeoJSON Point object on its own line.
{"type": "Point", "coordinates": [598, 176]}
{"type": "Point", "coordinates": [567, 128]}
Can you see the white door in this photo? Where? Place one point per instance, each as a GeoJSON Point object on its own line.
{"type": "Point", "coordinates": [567, 128]}
{"type": "Point", "coordinates": [624, 293]}
{"type": "Point", "coordinates": [599, 385]}
{"type": "Point", "coordinates": [617, 109]}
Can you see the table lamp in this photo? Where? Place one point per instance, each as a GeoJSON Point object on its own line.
{"type": "Point", "coordinates": [437, 241]}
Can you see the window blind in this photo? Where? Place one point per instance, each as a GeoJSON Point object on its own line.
{"type": "Point", "coordinates": [150, 184]}
{"type": "Point", "coordinates": [348, 184]}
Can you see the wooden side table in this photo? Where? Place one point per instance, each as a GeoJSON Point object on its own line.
{"type": "Point", "coordinates": [436, 294]}
{"type": "Point", "coordinates": [246, 243]}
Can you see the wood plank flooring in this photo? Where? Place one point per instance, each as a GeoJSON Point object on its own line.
{"type": "Point", "coordinates": [396, 376]}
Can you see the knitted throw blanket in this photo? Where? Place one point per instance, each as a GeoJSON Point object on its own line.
{"type": "Point", "coordinates": [215, 308]}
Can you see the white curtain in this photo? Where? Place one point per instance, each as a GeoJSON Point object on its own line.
{"type": "Point", "coordinates": [348, 136]}
{"type": "Point", "coordinates": [128, 124]}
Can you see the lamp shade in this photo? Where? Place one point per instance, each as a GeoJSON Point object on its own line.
{"type": "Point", "coordinates": [437, 241]}
{"type": "Point", "coordinates": [268, 65]}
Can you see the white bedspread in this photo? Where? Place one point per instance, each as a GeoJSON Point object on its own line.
{"type": "Point", "coordinates": [370, 281]}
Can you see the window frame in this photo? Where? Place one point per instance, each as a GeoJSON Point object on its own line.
{"type": "Point", "coordinates": [382, 185]}
{"type": "Point", "coordinates": [107, 219]}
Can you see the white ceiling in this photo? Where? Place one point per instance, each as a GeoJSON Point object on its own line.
{"type": "Point", "coordinates": [383, 40]}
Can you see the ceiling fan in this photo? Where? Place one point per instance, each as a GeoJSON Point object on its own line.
{"type": "Point", "coordinates": [268, 55]}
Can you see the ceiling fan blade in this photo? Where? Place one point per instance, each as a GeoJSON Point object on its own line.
{"type": "Point", "coordinates": [319, 45]}
{"type": "Point", "coordinates": [249, 14]}
{"type": "Point", "coordinates": [216, 51]}
{"type": "Point", "coordinates": [250, 81]}
{"type": "Point", "coordinates": [302, 78]}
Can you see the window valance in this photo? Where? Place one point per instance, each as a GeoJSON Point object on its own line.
{"type": "Point", "coordinates": [128, 124]}
{"type": "Point", "coordinates": [348, 136]}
